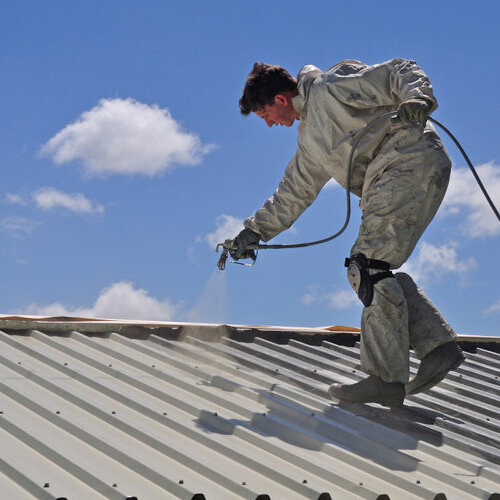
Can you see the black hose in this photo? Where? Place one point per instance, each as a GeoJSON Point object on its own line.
{"type": "Point", "coordinates": [473, 170]}
{"type": "Point", "coordinates": [348, 185]}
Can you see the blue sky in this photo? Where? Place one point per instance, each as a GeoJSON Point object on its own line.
{"type": "Point", "coordinates": [124, 157]}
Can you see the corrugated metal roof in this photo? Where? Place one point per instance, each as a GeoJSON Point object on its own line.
{"type": "Point", "coordinates": [107, 416]}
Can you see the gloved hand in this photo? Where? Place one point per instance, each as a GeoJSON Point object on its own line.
{"type": "Point", "coordinates": [414, 111]}
{"type": "Point", "coordinates": [245, 238]}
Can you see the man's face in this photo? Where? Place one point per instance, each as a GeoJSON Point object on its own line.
{"type": "Point", "coordinates": [281, 112]}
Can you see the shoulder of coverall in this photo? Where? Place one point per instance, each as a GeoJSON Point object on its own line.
{"type": "Point", "coordinates": [305, 77]}
{"type": "Point", "coordinates": [309, 73]}
{"type": "Point", "coordinates": [346, 67]}
{"type": "Point", "coordinates": [352, 66]}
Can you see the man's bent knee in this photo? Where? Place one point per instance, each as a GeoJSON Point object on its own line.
{"type": "Point", "coordinates": [363, 273]}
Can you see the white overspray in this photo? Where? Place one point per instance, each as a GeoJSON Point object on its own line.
{"type": "Point", "coordinates": [212, 304]}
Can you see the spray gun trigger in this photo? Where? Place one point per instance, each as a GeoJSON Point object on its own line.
{"type": "Point", "coordinates": [227, 245]}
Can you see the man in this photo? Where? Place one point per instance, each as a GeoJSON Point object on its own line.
{"type": "Point", "coordinates": [400, 171]}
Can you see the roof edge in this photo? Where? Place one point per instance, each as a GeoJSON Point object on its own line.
{"type": "Point", "coordinates": [101, 325]}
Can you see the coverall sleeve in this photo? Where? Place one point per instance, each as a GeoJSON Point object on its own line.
{"type": "Point", "coordinates": [408, 81]}
{"type": "Point", "coordinates": [299, 187]}
{"type": "Point", "coordinates": [386, 84]}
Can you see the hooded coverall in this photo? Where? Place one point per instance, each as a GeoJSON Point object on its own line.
{"type": "Point", "coordinates": [399, 171]}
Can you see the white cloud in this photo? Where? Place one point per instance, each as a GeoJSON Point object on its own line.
{"type": "Point", "coordinates": [48, 198]}
{"type": "Point", "coordinates": [15, 199]}
{"type": "Point", "coordinates": [119, 301]}
{"type": "Point", "coordinates": [123, 136]}
{"type": "Point", "coordinates": [331, 184]}
{"type": "Point", "coordinates": [493, 308]}
{"type": "Point", "coordinates": [17, 225]}
{"type": "Point", "coordinates": [342, 299]}
{"type": "Point", "coordinates": [227, 226]}
{"type": "Point", "coordinates": [466, 198]}
{"type": "Point", "coordinates": [336, 299]}
{"type": "Point", "coordinates": [432, 262]}
{"type": "Point", "coordinates": [312, 295]}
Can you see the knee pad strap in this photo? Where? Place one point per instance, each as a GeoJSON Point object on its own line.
{"type": "Point", "coordinates": [361, 280]}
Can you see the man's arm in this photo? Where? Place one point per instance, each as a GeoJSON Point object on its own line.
{"type": "Point", "coordinates": [299, 187]}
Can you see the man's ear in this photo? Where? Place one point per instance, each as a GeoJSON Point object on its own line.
{"type": "Point", "coordinates": [280, 99]}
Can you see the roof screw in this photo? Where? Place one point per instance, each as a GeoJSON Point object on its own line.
{"type": "Point", "coordinates": [361, 484]}
{"type": "Point", "coordinates": [181, 481]}
{"type": "Point", "coordinates": [304, 481]}
{"type": "Point", "coordinates": [354, 371]}
{"type": "Point", "coordinates": [215, 414]}
{"type": "Point", "coordinates": [487, 419]}
{"type": "Point", "coordinates": [153, 366]}
{"type": "Point", "coordinates": [46, 485]}
{"type": "Point", "coordinates": [314, 370]}
{"type": "Point", "coordinates": [110, 365]}
{"type": "Point", "coordinates": [418, 481]}
{"type": "Point", "coordinates": [264, 414]}
{"type": "Point", "coordinates": [276, 370]}
{"type": "Point", "coordinates": [312, 414]}
{"type": "Point", "coordinates": [113, 412]}
{"type": "Point", "coordinates": [473, 482]}
{"type": "Point", "coordinates": [1, 412]}
{"type": "Point", "coordinates": [164, 413]}
{"type": "Point", "coordinates": [65, 364]}
{"type": "Point", "coordinates": [58, 412]}
{"type": "Point", "coordinates": [114, 485]}
{"type": "Point", "coordinates": [244, 483]}
{"type": "Point", "coordinates": [19, 362]}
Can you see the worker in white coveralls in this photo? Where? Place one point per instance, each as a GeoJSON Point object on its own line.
{"type": "Point", "coordinates": [400, 171]}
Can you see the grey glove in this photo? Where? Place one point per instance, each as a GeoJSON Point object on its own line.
{"type": "Point", "coordinates": [245, 238]}
{"type": "Point", "coordinates": [414, 111]}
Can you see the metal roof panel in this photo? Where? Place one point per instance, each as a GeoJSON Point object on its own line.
{"type": "Point", "coordinates": [106, 415]}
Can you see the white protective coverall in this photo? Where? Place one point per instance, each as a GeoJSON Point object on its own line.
{"type": "Point", "coordinates": [399, 171]}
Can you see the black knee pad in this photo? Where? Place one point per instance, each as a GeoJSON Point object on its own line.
{"type": "Point", "coordinates": [361, 280]}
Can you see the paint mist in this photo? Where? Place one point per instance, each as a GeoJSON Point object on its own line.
{"type": "Point", "coordinates": [212, 305]}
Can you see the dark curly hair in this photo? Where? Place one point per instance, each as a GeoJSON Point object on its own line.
{"type": "Point", "coordinates": [263, 83]}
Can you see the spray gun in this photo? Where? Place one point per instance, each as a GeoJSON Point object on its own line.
{"type": "Point", "coordinates": [229, 246]}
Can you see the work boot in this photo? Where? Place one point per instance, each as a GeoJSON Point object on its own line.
{"type": "Point", "coordinates": [370, 390]}
{"type": "Point", "coordinates": [435, 366]}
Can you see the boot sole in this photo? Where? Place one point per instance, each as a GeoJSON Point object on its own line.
{"type": "Point", "coordinates": [395, 403]}
{"type": "Point", "coordinates": [437, 378]}
{"type": "Point", "coordinates": [392, 402]}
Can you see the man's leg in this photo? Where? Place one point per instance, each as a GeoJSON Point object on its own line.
{"type": "Point", "coordinates": [397, 207]}
{"type": "Point", "coordinates": [431, 337]}
{"type": "Point", "coordinates": [427, 327]}
{"type": "Point", "coordinates": [384, 336]}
